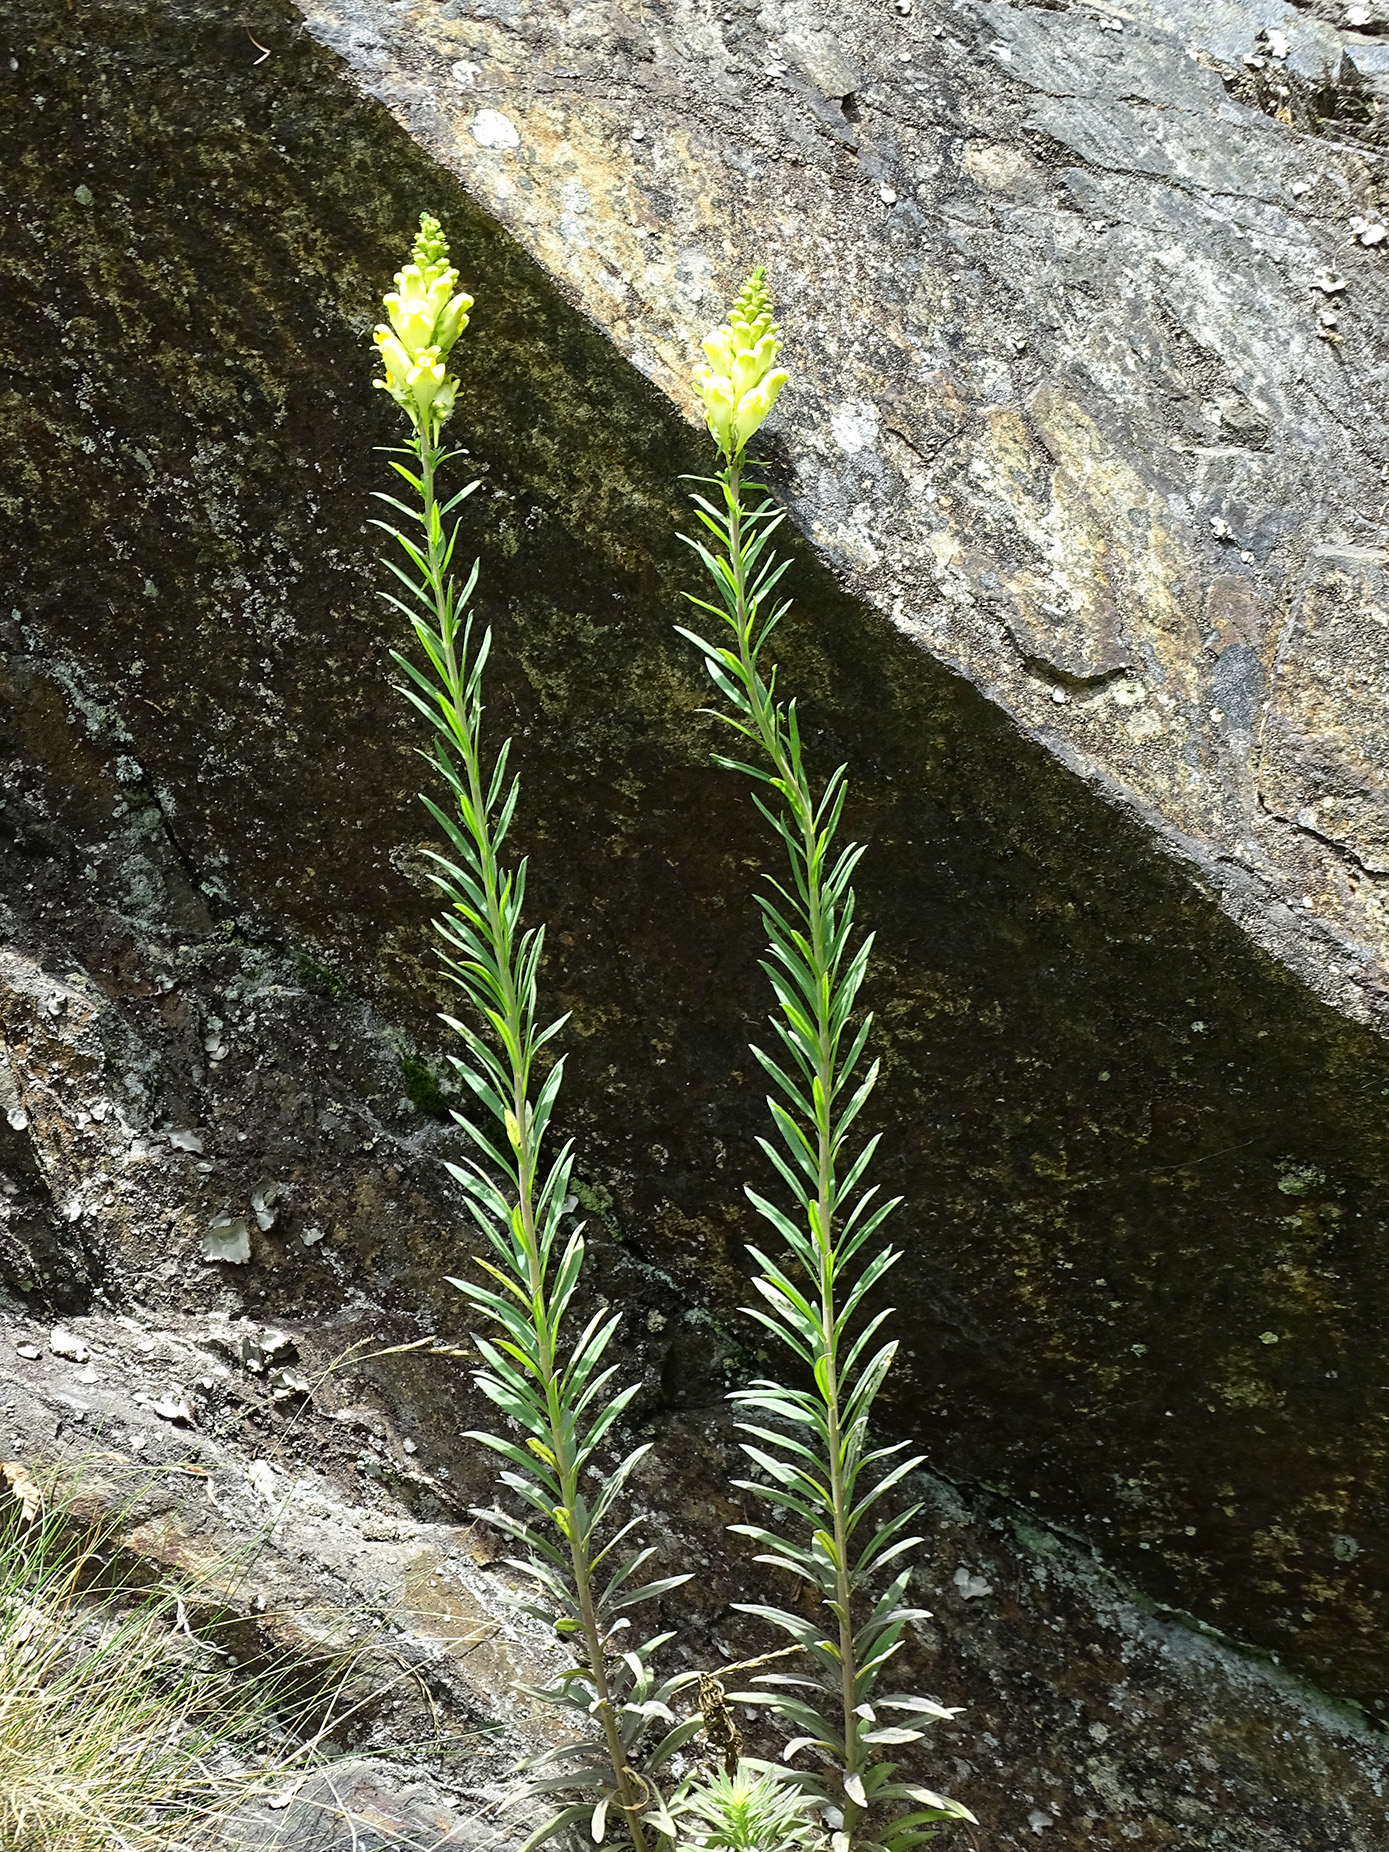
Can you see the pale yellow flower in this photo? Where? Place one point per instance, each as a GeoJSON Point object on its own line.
{"type": "Point", "coordinates": [739, 380]}
{"type": "Point", "coordinates": [427, 314]}
{"type": "Point", "coordinates": [426, 381]}
{"type": "Point", "coordinates": [396, 362]}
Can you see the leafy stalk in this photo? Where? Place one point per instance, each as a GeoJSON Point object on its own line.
{"type": "Point", "coordinates": [749, 1812]}
{"type": "Point", "coordinates": [582, 1581]}
{"type": "Point", "coordinates": [822, 1474]}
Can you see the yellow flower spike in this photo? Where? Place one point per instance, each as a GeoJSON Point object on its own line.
{"type": "Point", "coordinates": [427, 314]}
{"type": "Point", "coordinates": [738, 386]}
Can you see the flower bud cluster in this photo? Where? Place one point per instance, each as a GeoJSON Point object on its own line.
{"type": "Point", "coordinates": [428, 313]}
{"type": "Point", "coordinates": [740, 382]}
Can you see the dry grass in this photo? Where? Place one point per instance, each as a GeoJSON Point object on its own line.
{"type": "Point", "coordinates": [120, 1729]}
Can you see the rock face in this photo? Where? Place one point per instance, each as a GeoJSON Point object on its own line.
{"type": "Point", "coordinates": [1144, 1161]}
{"type": "Point", "coordinates": [1088, 391]}
{"type": "Point", "coordinates": [314, 1526]}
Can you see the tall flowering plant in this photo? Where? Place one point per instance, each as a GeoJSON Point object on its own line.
{"type": "Point", "coordinates": [822, 1475]}
{"type": "Point", "coordinates": [580, 1565]}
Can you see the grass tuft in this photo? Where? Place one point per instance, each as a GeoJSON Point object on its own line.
{"type": "Point", "coordinates": [121, 1729]}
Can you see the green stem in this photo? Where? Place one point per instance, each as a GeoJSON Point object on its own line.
{"type": "Point", "coordinates": [772, 737]}
{"type": "Point", "coordinates": [527, 1150]}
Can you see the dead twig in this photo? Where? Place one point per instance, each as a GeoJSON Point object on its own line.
{"type": "Point", "coordinates": [720, 1725]}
